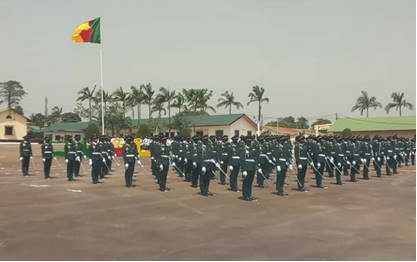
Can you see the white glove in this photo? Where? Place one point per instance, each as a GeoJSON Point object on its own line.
{"type": "Point", "coordinates": [373, 158]}
{"type": "Point", "coordinates": [194, 164]}
{"type": "Point", "coordinates": [231, 168]}
{"type": "Point", "coordinates": [339, 164]}
{"type": "Point", "coordinates": [20, 158]}
{"type": "Point", "coordinates": [311, 164]}
{"type": "Point", "coordinates": [104, 160]}
{"type": "Point", "coordinates": [221, 162]}
{"type": "Point", "coordinates": [353, 162]}
{"type": "Point", "coordinates": [274, 159]}
{"type": "Point", "coordinates": [43, 159]}
{"type": "Point", "coordinates": [126, 165]}
{"type": "Point", "coordinates": [387, 157]}
{"type": "Point", "coordinates": [161, 167]}
{"type": "Point", "coordinates": [379, 159]}
{"type": "Point", "coordinates": [66, 160]}
{"type": "Point", "coordinates": [217, 165]}
{"type": "Point", "coordinates": [318, 165]}
{"type": "Point", "coordinates": [185, 160]}
{"type": "Point", "coordinates": [291, 167]}
{"type": "Point", "coordinates": [90, 162]}
{"type": "Point", "coordinates": [260, 170]}
{"type": "Point", "coordinates": [395, 157]}
{"type": "Point", "coordinates": [55, 158]}
{"type": "Point", "coordinates": [278, 168]}
{"type": "Point", "coordinates": [332, 160]}
{"type": "Point", "coordinates": [32, 157]}
{"type": "Point", "coordinates": [348, 162]}
{"type": "Point", "coordinates": [300, 166]}
{"type": "Point", "coordinates": [203, 169]}
{"type": "Point", "coordinates": [180, 158]}
{"type": "Point", "coordinates": [173, 164]}
{"type": "Point", "coordinates": [244, 173]}
{"type": "Point", "coordinates": [78, 159]}
{"type": "Point", "coordinates": [364, 161]}
{"type": "Point", "coordinates": [114, 155]}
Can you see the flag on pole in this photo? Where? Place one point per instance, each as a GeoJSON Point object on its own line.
{"type": "Point", "coordinates": [88, 32]}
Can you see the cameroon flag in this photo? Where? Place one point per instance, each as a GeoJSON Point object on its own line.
{"type": "Point", "coordinates": [88, 32]}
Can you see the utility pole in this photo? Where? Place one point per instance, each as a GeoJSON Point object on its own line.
{"type": "Point", "coordinates": [335, 115]}
{"type": "Point", "coordinates": [277, 125]}
{"type": "Point", "coordinates": [46, 111]}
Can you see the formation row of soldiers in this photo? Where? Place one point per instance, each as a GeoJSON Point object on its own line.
{"type": "Point", "coordinates": [201, 159]}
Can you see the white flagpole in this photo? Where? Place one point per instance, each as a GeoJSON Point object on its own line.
{"type": "Point", "coordinates": [101, 81]}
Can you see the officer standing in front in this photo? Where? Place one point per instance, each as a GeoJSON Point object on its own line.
{"type": "Point", "coordinates": [25, 151]}
{"type": "Point", "coordinates": [129, 156]}
{"type": "Point", "coordinates": [47, 155]}
{"type": "Point", "coordinates": [70, 157]}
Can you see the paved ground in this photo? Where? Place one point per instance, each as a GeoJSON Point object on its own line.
{"type": "Point", "coordinates": [56, 219]}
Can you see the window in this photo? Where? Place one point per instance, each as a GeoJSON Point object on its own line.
{"type": "Point", "coordinates": [236, 132]}
{"type": "Point", "coordinates": [8, 130]}
{"type": "Point", "coordinates": [219, 133]}
{"type": "Point", "coordinates": [249, 133]}
{"type": "Point", "coordinates": [8, 117]}
{"type": "Point", "coordinates": [57, 138]}
{"type": "Point", "coordinates": [199, 133]}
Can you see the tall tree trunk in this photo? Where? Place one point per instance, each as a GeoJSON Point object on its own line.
{"type": "Point", "coordinates": [133, 113]}
{"type": "Point", "coordinates": [400, 110]}
{"type": "Point", "coordinates": [139, 107]}
{"type": "Point", "coordinates": [89, 106]}
{"type": "Point", "coordinates": [367, 112]}
{"type": "Point", "coordinates": [259, 112]}
{"type": "Point", "coordinates": [230, 109]}
{"type": "Point", "coordinates": [149, 113]}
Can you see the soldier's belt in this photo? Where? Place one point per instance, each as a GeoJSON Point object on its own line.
{"type": "Point", "coordinates": [282, 159]}
{"type": "Point", "coordinates": [130, 155]}
{"type": "Point", "coordinates": [26, 149]}
{"type": "Point", "coordinates": [262, 154]}
{"type": "Point", "coordinates": [356, 154]}
{"type": "Point", "coordinates": [79, 151]}
{"type": "Point", "coordinates": [48, 152]}
{"type": "Point", "coordinates": [250, 160]}
{"type": "Point", "coordinates": [236, 157]}
{"type": "Point", "coordinates": [71, 152]}
{"type": "Point", "coordinates": [165, 156]}
{"type": "Point", "coordinates": [322, 155]}
{"type": "Point", "coordinates": [303, 158]}
{"type": "Point", "coordinates": [96, 153]}
{"type": "Point", "coordinates": [225, 154]}
{"type": "Point", "coordinates": [103, 152]}
{"type": "Point", "coordinates": [341, 155]}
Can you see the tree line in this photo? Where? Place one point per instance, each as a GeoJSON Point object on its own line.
{"type": "Point", "coordinates": [366, 102]}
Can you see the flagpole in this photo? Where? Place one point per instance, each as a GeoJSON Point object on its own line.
{"type": "Point", "coordinates": [101, 86]}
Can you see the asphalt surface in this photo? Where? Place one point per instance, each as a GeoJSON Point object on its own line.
{"type": "Point", "coordinates": [56, 219]}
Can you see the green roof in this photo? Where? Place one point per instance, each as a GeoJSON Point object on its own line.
{"type": "Point", "coordinates": [200, 120]}
{"type": "Point", "coordinates": [375, 124]}
{"type": "Point", "coordinates": [67, 127]}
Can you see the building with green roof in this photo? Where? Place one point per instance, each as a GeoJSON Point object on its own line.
{"type": "Point", "coordinates": [404, 126]}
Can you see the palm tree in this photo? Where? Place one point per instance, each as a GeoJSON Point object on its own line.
{"type": "Point", "coordinates": [56, 114]}
{"type": "Point", "coordinates": [197, 99]}
{"type": "Point", "coordinates": [168, 97]}
{"type": "Point", "coordinates": [228, 100]}
{"type": "Point", "coordinates": [137, 97]}
{"type": "Point", "coordinates": [107, 97]}
{"type": "Point", "coordinates": [364, 102]}
{"type": "Point", "coordinates": [257, 95]}
{"type": "Point", "coordinates": [158, 106]}
{"type": "Point", "coordinates": [179, 102]}
{"type": "Point", "coordinates": [399, 103]}
{"type": "Point", "coordinates": [148, 93]}
{"type": "Point", "coordinates": [87, 94]}
{"type": "Point", "coordinates": [121, 96]}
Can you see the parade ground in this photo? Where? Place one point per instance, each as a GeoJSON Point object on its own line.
{"type": "Point", "coordinates": [56, 219]}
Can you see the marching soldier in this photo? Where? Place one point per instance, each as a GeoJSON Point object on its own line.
{"type": "Point", "coordinates": [70, 154]}
{"type": "Point", "coordinates": [302, 163]}
{"type": "Point", "coordinates": [225, 149]}
{"type": "Point", "coordinates": [235, 162]}
{"type": "Point", "coordinates": [129, 157]}
{"type": "Point", "coordinates": [95, 160]}
{"type": "Point", "coordinates": [25, 152]}
{"type": "Point", "coordinates": [163, 166]}
{"type": "Point", "coordinates": [79, 155]}
{"type": "Point", "coordinates": [47, 155]}
{"type": "Point", "coordinates": [249, 168]}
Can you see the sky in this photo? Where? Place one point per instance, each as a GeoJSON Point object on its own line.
{"type": "Point", "coordinates": [313, 57]}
